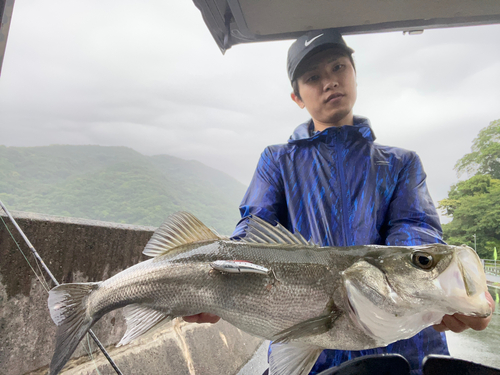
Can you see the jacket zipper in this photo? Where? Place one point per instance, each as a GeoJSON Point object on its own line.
{"type": "Point", "coordinates": [340, 168]}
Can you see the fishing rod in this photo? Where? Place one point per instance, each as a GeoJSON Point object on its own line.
{"type": "Point", "coordinates": [37, 256]}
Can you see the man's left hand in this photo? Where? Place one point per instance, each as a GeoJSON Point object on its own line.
{"type": "Point", "coordinates": [201, 318]}
{"type": "Point", "coordinates": [459, 323]}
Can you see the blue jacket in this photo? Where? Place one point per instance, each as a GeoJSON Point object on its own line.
{"type": "Point", "coordinates": [339, 188]}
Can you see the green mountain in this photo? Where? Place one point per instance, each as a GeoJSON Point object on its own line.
{"type": "Point", "coordinates": [116, 184]}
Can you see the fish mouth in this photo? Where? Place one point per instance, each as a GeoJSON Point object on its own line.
{"type": "Point", "coordinates": [464, 281]}
{"type": "Point", "coordinates": [471, 273]}
{"type": "Point", "coordinates": [474, 281]}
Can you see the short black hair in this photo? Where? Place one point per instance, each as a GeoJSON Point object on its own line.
{"type": "Point", "coordinates": [295, 84]}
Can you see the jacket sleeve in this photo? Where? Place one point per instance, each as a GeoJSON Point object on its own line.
{"type": "Point", "coordinates": [412, 218]}
{"type": "Point", "coordinates": [265, 196]}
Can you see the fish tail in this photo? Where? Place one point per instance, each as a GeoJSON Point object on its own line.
{"type": "Point", "coordinates": [68, 309]}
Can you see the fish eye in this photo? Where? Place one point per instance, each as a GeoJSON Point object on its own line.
{"type": "Point", "coordinates": [422, 260]}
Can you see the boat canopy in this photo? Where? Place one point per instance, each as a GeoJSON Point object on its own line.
{"type": "Point", "coordinates": [245, 21]}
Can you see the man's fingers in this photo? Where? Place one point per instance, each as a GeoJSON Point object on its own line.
{"type": "Point", "coordinates": [459, 323]}
{"type": "Point", "coordinates": [450, 323]}
{"type": "Point", "coordinates": [477, 324]}
{"type": "Point", "coordinates": [453, 324]}
{"type": "Point", "coordinates": [440, 327]}
{"type": "Point", "coordinates": [491, 302]}
{"type": "Point", "coordinates": [191, 318]}
{"type": "Point", "coordinates": [208, 318]}
{"type": "Point", "coordinates": [201, 318]}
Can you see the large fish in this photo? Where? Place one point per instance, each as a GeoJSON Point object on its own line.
{"type": "Point", "coordinates": [278, 286]}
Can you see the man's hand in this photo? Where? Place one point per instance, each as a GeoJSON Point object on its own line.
{"type": "Point", "coordinates": [459, 323]}
{"type": "Point", "coordinates": [201, 318]}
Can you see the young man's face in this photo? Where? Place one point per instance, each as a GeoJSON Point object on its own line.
{"type": "Point", "coordinates": [327, 87]}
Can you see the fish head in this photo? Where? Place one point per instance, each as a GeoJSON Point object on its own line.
{"type": "Point", "coordinates": [395, 292]}
{"type": "Point", "coordinates": [436, 275]}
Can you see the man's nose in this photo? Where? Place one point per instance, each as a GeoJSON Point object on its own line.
{"type": "Point", "coordinates": [330, 83]}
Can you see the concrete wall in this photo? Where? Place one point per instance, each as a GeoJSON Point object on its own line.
{"type": "Point", "coordinates": [82, 250]}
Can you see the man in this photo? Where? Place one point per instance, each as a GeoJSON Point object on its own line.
{"type": "Point", "coordinates": [337, 187]}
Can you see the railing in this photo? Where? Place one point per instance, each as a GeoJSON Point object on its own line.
{"type": "Point", "coordinates": [491, 266]}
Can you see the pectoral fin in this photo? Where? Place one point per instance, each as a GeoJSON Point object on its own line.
{"type": "Point", "coordinates": [141, 320]}
{"type": "Point", "coordinates": [293, 358]}
{"type": "Point", "coordinates": [311, 327]}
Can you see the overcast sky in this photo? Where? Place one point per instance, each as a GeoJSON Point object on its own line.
{"type": "Point", "coordinates": [149, 76]}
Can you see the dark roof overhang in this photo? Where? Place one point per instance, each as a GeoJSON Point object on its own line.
{"type": "Point", "coordinates": [233, 22]}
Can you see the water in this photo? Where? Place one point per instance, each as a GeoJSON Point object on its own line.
{"type": "Point", "coordinates": [480, 347]}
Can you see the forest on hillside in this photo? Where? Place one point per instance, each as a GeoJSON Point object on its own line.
{"type": "Point", "coordinates": [474, 203]}
{"type": "Point", "coordinates": [116, 184]}
{"type": "Point", "coordinates": [121, 185]}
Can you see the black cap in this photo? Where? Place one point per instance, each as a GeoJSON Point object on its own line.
{"type": "Point", "coordinates": [313, 41]}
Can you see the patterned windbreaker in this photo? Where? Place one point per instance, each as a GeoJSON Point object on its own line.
{"type": "Point", "coordinates": [339, 188]}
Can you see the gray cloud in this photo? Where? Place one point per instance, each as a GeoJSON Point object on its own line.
{"type": "Point", "coordinates": [149, 76]}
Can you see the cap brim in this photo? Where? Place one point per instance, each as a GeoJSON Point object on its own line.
{"type": "Point", "coordinates": [318, 49]}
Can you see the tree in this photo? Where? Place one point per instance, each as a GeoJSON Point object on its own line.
{"type": "Point", "coordinates": [474, 205]}
{"type": "Point", "coordinates": [485, 155]}
{"type": "Point", "coordinates": [479, 184]}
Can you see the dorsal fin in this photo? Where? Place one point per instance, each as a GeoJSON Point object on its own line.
{"type": "Point", "coordinates": [260, 231]}
{"type": "Point", "coordinates": [179, 229]}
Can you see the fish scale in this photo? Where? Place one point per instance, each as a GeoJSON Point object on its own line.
{"type": "Point", "coordinates": [304, 297]}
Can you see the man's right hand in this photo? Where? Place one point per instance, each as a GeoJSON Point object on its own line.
{"type": "Point", "coordinates": [201, 318]}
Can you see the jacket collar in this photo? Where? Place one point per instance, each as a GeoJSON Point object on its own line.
{"type": "Point", "coordinates": [303, 131]}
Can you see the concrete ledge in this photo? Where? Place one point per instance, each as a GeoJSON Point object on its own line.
{"type": "Point", "coordinates": [79, 250]}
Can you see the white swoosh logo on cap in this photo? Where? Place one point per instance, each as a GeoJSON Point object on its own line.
{"type": "Point", "coordinates": [312, 40]}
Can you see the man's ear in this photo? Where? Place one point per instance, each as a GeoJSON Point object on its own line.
{"type": "Point", "coordinates": [297, 100]}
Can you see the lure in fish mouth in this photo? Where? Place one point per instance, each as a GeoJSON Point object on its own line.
{"type": "Point", "coordinates": [276, 285]}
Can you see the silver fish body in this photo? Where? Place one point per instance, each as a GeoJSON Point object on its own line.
{"type": "Point", "coordinates": [276, 285]}
{"type": "Point", "coordinates": [299, 287]}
